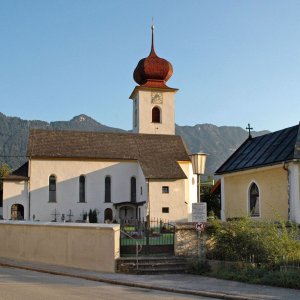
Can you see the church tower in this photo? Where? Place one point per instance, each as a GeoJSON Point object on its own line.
{"type": "Point", "coordinates": [153, 101]}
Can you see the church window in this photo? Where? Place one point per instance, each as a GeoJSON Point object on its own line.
{"type": "Point", "coordinates": [156, 118]}
{"type": "Point", "coordinates": [108, 215]}
{"type": "Point", "coordinates": [107, 195]}
{"type": "Point", "coordinates": [165, 190]}
{"type": "Point", "coordinates": [52, 188]}
{"type": "Point", "coordinates": [165, 210]}
{"type": "Point", "coordinates": [81, 188]}
{"type": "Point", "coordinates": [254, 201]}
{"type": "Point", "coordinates": [141, 190]}
{"type": "Point", "coordinates": [133, 189]}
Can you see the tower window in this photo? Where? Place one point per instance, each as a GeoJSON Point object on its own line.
{"type": "Point", "coordinates": [156, 118]}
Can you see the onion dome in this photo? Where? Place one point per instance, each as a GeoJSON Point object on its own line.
{"type": "Point", "coordinates": [153, 71]}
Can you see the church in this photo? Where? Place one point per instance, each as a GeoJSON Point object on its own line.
{"type": "Point", "coordinates": [122, 176]}
{"type": "Point", "coordinates": [261, 179]}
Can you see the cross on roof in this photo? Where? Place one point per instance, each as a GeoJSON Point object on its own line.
{"type": "Point", "coordinates": [249, 129]}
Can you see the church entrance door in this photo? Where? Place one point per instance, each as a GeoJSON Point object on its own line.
{"type": "Point", "coordinates": [17, 212]}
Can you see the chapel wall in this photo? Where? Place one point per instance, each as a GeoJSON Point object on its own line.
{"type": "Point", "coordinates": [273, 188]}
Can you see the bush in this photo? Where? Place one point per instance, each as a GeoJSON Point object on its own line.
{"type": "Point", "coordinates": [198, 266]}
{"type": "Point", "coordinates": [93, 216]}
{"type": "Point", "coordinates": [246, 240]}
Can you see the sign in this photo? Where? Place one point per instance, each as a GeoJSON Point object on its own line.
{"type": "Point", "coordinates": [199, 226]}
{"type": "Point", "coordinates": [199, 212]}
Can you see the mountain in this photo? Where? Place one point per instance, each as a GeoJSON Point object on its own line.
{"type": "Point", "coordinates": [217, 142]}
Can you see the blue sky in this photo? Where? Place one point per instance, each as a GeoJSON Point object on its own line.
{"type": "Point", "coordinates": [235, 62]}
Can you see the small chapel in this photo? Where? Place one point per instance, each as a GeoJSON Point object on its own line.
{"type": "Point", "coordinates": [122, 176]}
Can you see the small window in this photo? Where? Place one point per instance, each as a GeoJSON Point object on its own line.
{"type": "Point", "coordinates": [52, 188]}
{"type": "Point", "coordinates": [254, 200]}
{"type": "Point", "coordinates": [165, 190]}
{"type": "Point", "coordinates": [107, 195]}
{"type": "Point", "coordinates": [81, 188]}
{"type": "Point", "coordinates": [165, 210]}
{"type": "Point", "coordinates": [156, 115]}
{"type": "Point", "coordinates": [141, 190]}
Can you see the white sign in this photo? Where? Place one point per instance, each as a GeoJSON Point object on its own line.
{"type": "Point", "coordinates": [199, 212]}
{"type": "Point", "coordinates": [199, 226]}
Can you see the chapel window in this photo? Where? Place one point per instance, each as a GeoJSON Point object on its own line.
{"type": "Point", "coordinates": [133, 189]}
{"type": "Point", "coordinates": [81, 188]}
{"type": "Point", "coordinates": [52, 188]}
{"type": "Point", "coordinates": [107, 193]}
{"type": "Point", "coordinates": [254, 201]}
{"type": "Point", "coordinates": [156, 118]}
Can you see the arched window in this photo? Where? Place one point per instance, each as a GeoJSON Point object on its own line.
{"type": "Point", "coordinates": [81, 188]}
{"type": "Point", "coordinates": [133, 189]}
{"type": "Point", "coordinates": [156, 115]}
{"type": "Point", "coordinates": [107, 195]}
{"type": "Point", "coordinates": [108, 215]}
{"type": "Point", "coordinates": [52, 188]}
{"type": "Point", "coordinates": [254, 200]}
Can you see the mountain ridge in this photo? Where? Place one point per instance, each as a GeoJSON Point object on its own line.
{"type": "Point", "coordinates": [218, 142]}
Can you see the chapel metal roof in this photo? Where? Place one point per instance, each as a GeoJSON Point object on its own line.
{"type": "Point", "coordinates": [157, 154]}
{"type": "Point", "coordinates": [265, 150]}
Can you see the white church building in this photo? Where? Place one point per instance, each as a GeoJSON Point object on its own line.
{"type": "Point", "coordinates": [123, 176]}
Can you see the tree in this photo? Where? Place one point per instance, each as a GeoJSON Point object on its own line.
{"type": "Point", "coordinates": [4, 171]}
{"type": "Point", "coordinates": [213, 200]}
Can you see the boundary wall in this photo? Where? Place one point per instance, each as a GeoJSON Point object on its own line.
{"type": "Point", "coordinates": [87, 246]}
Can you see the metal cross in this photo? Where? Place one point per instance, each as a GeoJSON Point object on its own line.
{"type": "Point", "coordinates": [249, 129]}
{"type": "Point", "coordinates": [55, 214]}
{"type": "Point", "coordinates": [70, 215]}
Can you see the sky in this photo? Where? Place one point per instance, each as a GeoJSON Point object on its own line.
{"type": "Point", "coordinates": [235, 61]}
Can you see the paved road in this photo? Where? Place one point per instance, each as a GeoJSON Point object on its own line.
{"type": "Point", "coordinates": [18, 284]}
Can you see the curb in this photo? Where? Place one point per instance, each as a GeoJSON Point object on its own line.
{"type": "Point", "coordinates": [132, 284]}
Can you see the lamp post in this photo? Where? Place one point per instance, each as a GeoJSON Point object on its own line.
{"type": "Point", "coordinates": [198, 164]}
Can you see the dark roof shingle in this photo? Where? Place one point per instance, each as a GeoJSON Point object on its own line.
{"type": "Point", "coordinates": [157, 154]}
{"type": "Point", "coordinates": [268, 149]}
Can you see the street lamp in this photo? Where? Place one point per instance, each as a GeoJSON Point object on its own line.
{"type": "Point", "coordinates": [198, 164]}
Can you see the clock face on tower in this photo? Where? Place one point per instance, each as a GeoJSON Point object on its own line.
{"type": "Point", "coordinates": [156, 98]}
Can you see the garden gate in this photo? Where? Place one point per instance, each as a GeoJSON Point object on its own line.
{"type": "Point", "coordinates": [154, 237]}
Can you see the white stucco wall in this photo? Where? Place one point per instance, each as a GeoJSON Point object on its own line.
{"type": "Point", "coordinates": [67, 173]}
{"type": "Point", "coordinates": [294, 191]}
{"type": "Point", "coordinates": [182, 192]}
{"type": "Point", "coordinates": [144, 113]}
{"type": "Point", "coordinates": [15, 192]}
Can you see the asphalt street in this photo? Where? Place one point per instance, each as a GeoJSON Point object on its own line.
{"type": "Point", "coordinates": [17, 284]}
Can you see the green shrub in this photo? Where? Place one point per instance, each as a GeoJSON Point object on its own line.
{"type": "Point", "coordinates": [198, 266]}
{"type": "Point", "coordinates": [246, 240]}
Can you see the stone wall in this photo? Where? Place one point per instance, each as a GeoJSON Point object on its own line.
{"type": "Point", "coordinates": [188, 241]}
{"type": "Point", "coordinates": [88, 246]}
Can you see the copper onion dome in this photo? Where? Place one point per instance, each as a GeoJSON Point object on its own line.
{"type": "Point", "coordinates": [153, 71]}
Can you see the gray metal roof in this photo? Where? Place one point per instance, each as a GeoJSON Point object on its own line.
{"type": "Point", "coordinates": [268, 149]}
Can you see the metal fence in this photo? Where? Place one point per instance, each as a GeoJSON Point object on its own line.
{"type": "Point", "coordinates": [154, 237]}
